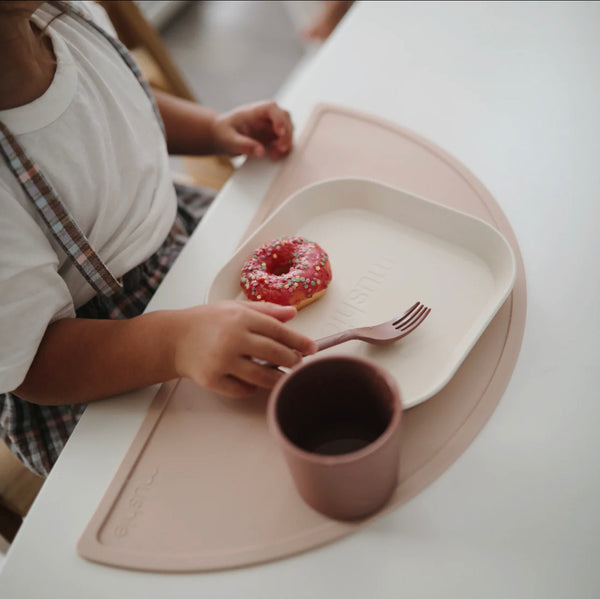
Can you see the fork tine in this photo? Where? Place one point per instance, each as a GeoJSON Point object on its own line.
{"type": "Point", "coordinates": [411, 318]}
{"type": "Point", "coordinates": [414, 318]}
{"type": "Point", "coordinates": [398, 321]}
{"type": "Point", "coordinates": [409, 328]}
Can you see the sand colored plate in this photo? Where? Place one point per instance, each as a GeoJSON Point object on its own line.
{"type": "Point", "coordinates": [175, 501]}
{"type": "Point", "coordinates": [389, 249]}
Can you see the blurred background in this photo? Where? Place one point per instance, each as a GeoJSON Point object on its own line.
{"type": "Point", "coordinates": [233, 52]}
{"type": "Point", "coordinates": [222, 53]}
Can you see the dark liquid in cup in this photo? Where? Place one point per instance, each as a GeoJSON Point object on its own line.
{"type": "Point", "coordinates": [335, 408]}
{"type": "Point", "coordinates": [340, 438]}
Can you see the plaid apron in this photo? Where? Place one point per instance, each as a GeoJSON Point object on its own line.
{"type": "Point", "coordinates": [36, 434]}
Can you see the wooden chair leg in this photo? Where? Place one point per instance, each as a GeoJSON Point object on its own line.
{"type": "Point", "coordinates": [18, 489]}
{"type": "Point", "coordinates": [10, 523]}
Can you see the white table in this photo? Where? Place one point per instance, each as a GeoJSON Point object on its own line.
{"type": "Point", "coordinates": [512, 91]}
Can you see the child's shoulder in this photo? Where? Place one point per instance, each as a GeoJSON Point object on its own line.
{"type": "Point", "coordinates": [88, 10]}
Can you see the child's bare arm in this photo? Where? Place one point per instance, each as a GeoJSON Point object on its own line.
{"type": "Point", "coordinates": [188, 125]}
{"type": "Point", "coordinates": [259, 129]}
{"type": "Point", "coordinates": [81, 360]}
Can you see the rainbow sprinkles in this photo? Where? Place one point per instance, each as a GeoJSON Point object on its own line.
{"type": "Point", "coordinates": [290, 271]}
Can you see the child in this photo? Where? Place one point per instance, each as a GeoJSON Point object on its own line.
{"type": "Point", "coordinates": [91, 224]}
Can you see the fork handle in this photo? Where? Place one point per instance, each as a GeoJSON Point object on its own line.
{"type": "Point", "coordinates": [335, 339]}
{"type": "Point", "coordinates": [322, 343]}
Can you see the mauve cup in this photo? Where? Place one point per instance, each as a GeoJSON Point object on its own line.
{"type": "Point", "coordinates": [337, 421]}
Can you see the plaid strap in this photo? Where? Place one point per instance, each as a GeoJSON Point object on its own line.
{"type": "Point", "coordinates": [54, 213]}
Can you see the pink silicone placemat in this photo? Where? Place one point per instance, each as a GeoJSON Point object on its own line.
{"type": "Point", "coordinates": [203, 486]}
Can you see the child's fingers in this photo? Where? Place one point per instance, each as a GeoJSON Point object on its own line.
{"type": "Point", "coordinates": [281, 119]}
{"type": "Point", "coordinates": [283, 129]}
{"type": "Point", "coordinates": [281, 313]}
{"type": "Point", "coordinates": [275, 352]}
{"type": "Point", "coordinates": [255, 374]}
{"type": "Point", "coordinates": [218, 351]}
{"type": "Point", "coordinates": [275, 153]}
{"type": "Point", "coordinates": [279, 123]}
{"type": "Point", "coordinates": [270, 111]}
{"type": "Point", "coordinates": [272, 329]}
{"type": "Point", "coordinates": [237, 143]}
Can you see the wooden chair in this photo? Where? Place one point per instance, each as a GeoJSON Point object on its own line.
{"type": "Point", "coordinates": [155, 62]}
{"type": "Point", "coordinates": [18, 488]}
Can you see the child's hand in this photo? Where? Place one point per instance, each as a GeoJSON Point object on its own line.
{"type": "Point", "coordinates": [261, 129]}
{"type": "Point", "coordinates": [216, 344]}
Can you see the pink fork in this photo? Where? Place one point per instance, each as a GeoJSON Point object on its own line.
{"type": "Point", "coordinates": [386, 332]}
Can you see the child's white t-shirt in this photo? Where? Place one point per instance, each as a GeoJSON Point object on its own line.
{"type": "Point", "coordinates": [94, 135]}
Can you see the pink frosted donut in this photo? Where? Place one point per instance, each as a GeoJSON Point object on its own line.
{"type": "Point", "coordinates": [290, 271]}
